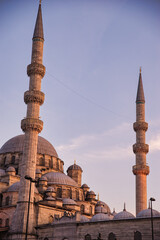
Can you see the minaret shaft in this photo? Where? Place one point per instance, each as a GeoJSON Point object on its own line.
{"type": "Point", "coordinates": [31, 125]}
{"type": "Point", "coordinates": [141, 170]}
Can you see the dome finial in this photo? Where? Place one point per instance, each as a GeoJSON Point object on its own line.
{"type": "Point", "coordinates": [39, 2]}
{"type": "Point", "coordinates": [124, 207]}
{"type": "Point", "coordinates": [140, 69]}
{"type": "Point", "coordinates": [98, 196]}
{"type": "Point", "coordinates": [74, 162]}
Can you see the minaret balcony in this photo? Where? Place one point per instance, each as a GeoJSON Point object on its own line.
{"type": "Point", "coordinates": [140, 126]}
{"type": "Point", "coordinates": [140, 148]}
{"type": "Point", "coordinates": [36, 68]}
{"type": "Point", "coordinates": [34, 96]}
{"type": "Point", "coordinates": [32, 124]}
{"type": "Point", "coordinates": [140, 169]}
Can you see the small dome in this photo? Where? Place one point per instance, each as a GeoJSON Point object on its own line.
{"type": "Point", "coordinates": [43, 178]}
{"type": "Point", "coordinates": [100, 217]}
{"type": "Point", "coordinates": [2, 172]}
{"type": "Point", "coordinates": [38, 171]}
{"type": "Point", "coordinates": [50, 189]}
{"type": "Point", "coordinates": [84, 219]}
{"type": "Point", "coordinates": [85, 186]}
{"type": "Point", "coordinates": [16, 144]}
{"type": "Point", "coordinates": [15, 188]}
{"type": "Point", "coordinates": [101, 203]}
{"type": "Point", "coordinates": [99, 209]}
{"type": "Point", "coordinates": [60, 178]}
{"type": "Point", "coordinates": [123, 215]}
{"type": "Point", "coordinates": [68, 201]}
{"type": "Point", "coordinates": [74, 167]}
{"type": "Point", "coordinates": [146, 213]}
{"type": "Point", "coordinates": [10, 169]}
{"type": "Point", "coordinates": [91, 193]}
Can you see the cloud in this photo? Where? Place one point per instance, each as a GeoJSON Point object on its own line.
{"type": "Point", "coordinates": [107, 145]}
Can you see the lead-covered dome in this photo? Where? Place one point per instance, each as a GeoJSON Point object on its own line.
{"type": "Point", "coordinates": [59, 178]}
{"type": "Point", "coordinates": [15, 188]}
{"type": "Point", "coordinates": [74, 167]}
{"type": "Point", "coordinates": [123, 215]}
{"type": "Point", "coordinates": [100, 217]}
{"type": "Point", "coordinates": [146, 213]}
{"type": "Point", "coordinates": [15, 144]}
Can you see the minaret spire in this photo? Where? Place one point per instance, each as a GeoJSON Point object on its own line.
{"type": "Point", "coordinates": [140, 148]}
{"type": "Point", "coordinates": [38, 30]}
{"type": "Point", "coordinates": [31, 126]}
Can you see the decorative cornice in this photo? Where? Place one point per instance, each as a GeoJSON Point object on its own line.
{"type": "Point", "coordinates": [140, 169]}
{"type": "Point", "coordinates": [140, 148]}
{"type": "Point", "coordinates": [140, 126]}
{"type": "Point", "coordinates": [34, 96]}
{"type": "Point", "coordinates": [32, 124]}
{"type": "Point", "coordinates": [36, 68]}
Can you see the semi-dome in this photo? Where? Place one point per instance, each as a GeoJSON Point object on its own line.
{"type": "Point", "coordinates": [59, 178]}
{"type": "Point", "coordinates": [85, 185]}
{"type": "Point", "coordinates": [15, 188]}
{"type": "Point", "coordinates": [101, 203]}
{"type": "Point", "coordinates": [100, 209]}
{"type": "Point", "coordinates": [68, 201]}
{"type": "Point", "coordinates": [146, 213]}
{"type": "Point", "coordinates": [15, 144]}
{"type": "Point", "coordinates": [123, 215]}
{"type": "Point", "coordinates": [100, 217]}
{"type": "Point", "coordinates": [74, 167]}
{"type": "Point", "coordinates": [84, 219]}
{"type": "Point", "coordinates": [10, 169]}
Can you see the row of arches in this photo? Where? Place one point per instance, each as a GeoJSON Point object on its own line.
{"type": "Point", "coordinates": [112, 236]}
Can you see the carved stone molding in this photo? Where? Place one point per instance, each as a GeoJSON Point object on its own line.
{"type": "Point", "coordinates": [31, 124]}
{"type": "Point", "coordinates": [140, 126]}
{"type": "Point", "coordinates": [140, 147]}
{"type": "Point", "coordinates": [140, 169]}
{"type": "Point", "coordinates": [36, 68]}
{"type": "Point", "coordinates": [34, 96]}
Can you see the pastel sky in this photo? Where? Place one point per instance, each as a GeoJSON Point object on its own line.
{"type": "Point", "coordinates": [93, 51]}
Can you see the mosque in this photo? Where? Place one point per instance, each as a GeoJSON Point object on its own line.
{"type": "Point", "coordinates": [39, 201]}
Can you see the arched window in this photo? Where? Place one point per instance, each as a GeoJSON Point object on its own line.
{"type": "Point", "coordinates": [68, 193]}
{"type": "Point", "coordinates": [42, 161]}
{"type": "Point", "coordinates": [82, 208]}
{"type": "Point", "coordinates": [77, 195]}
{"type": "Point", "coordinates": [51, 219]}
{"type": "Point", "coordinates": [51, 163]}
{"type": "Point", "coordinates": [88, 237]}
{"type": "Point", "coordinates": [7, 201]}
{"type": "Point", "coordinates": [1, 222]}
{"type": "Point", "coordinates": [90, 210]}
{"type": "Point", "coordinates": [137, 235]}
{"type": "Point", "coordinates": [13, 160]}
{"type": "Point", "coordinates": [59, 192]}
{"type": "Point", "coordinates": [7, 222]}
{"type": "Point", "coordinates": [111, 236]}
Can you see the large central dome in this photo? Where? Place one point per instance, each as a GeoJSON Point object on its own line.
{"type": "Point", "coordinates": [16, 144]}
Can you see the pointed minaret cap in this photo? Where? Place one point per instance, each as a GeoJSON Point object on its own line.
{"type": "Point", "coordinates": [140, 93]}
{"type": "Point", "coordinates": [38, 30]}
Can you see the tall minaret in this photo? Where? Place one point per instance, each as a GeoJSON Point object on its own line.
{"type": "Point", "coordinates": [31, 125]}
{"type": "Point", "coordinates": [140, 148]}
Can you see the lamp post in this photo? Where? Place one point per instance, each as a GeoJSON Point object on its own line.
{"type": "Point", "coordinates": [31, 181]}
{"type": "Point", "coordinates": [152, 200]}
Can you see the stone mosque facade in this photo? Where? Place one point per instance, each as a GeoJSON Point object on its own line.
{"type": "Point", "coordinates": [60, 206]}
